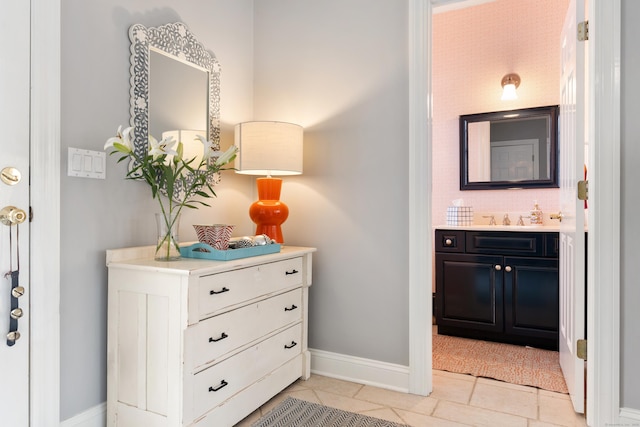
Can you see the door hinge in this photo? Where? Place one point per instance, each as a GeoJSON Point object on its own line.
{"type": "Point", "coordinates": [583, 190]}
{"type": "Point", "coordinates": [581, 349]}
{"type": "Point", "coordinates": [30, 214]}
{"type": "Point", "coordinates": [583, 31]}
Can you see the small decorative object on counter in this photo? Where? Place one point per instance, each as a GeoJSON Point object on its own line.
{"type": "Point", "coordinates": [459, 214]}
{"type": "Point", "coordinates": [536, 214]}
{"type": "Point", "coordinates": [250, 241]}
{"type": "Point", "coordinates": [217, 235]}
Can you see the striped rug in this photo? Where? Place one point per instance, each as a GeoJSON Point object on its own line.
{"type": "Point", "coordinates": [505, 362]}
{"type": "Point", "coordinates": [300, 413]}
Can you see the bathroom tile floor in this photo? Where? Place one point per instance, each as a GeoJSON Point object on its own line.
{"type": "Point", "coordinates": [456, 400]}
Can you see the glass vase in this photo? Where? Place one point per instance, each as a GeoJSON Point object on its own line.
{"type": "Point", "coordinates": [167, 248]}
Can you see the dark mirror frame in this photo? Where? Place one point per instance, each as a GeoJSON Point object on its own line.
{"type": "Point", "coordinates": [551, 182]}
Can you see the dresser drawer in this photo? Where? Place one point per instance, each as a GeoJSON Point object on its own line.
{"type": "Point", "coordinates": [505, 243]}
{"type": "Point", "coordinates": [214, 337]}
{"type": "Point", "coordinates": [218, 383]}
{"type": "Point", "coordinates": [218, 291]}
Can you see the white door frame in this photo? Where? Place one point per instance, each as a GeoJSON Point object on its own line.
{"type": "Point", "coordinates": [603, 321]}
{"type": "Point", "coordinates": [45, 202]}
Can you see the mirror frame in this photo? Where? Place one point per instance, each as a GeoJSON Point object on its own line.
{"type": "Point", "coordinates": [176, 41]}
{"type": "Point", "coordinates": [551, 112]}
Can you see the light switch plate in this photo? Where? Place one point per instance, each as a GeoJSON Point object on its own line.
{"type": "Point", "coordinates": [86, 163]}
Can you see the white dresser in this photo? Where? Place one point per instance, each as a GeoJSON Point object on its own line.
{"type": "Point", "coordinates": [203, 343]}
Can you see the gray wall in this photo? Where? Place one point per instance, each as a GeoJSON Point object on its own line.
{"type": "Point", "coordinates": [630, 226]}
{"type": "Point", "coordinates": [337, 68]}
{"type": "Point", "coordinates": [102, 214]}
{"type": "Point", "coordinates": [340, 69]}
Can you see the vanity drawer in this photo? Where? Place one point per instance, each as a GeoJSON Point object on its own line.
{"type": "Point", "coordinates": [449, 241]}
{"type": "Point", "coordinates": [219, 291]}
{"type": "Point", "coordinates": [214, 337]}
{"type": "Point", "coordinates": [218, 383]}
{"type": "Point", "coordinates": [505, 243]}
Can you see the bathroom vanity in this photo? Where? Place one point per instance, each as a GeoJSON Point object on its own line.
{"type": "Point", "coordinates": [498, 284]}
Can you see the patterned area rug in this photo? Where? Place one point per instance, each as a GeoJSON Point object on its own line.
{"type": "Point", "coordinates": [511, 363]}
{"type": "Point", "coordinates": [299, 413]}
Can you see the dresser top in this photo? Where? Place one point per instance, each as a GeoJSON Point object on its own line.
{"type": "Point", "coordinates": [141, 258]}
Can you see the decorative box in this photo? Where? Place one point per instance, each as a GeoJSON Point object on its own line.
{"type": "Point", "coordinates": [460, 215]}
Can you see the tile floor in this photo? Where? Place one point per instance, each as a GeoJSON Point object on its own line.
{"type": "Point", "coordinates": [457, 400]}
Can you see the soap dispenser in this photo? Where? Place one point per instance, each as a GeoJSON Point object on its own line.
{"type": "Point", "coordinates": [536, 214]}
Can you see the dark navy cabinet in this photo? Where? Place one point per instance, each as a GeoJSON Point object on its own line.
{"type": "Point", "coordinates": [497, 285]}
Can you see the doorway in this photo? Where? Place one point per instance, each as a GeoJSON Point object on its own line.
{"type": "Point", "coordinates": [604, 51]}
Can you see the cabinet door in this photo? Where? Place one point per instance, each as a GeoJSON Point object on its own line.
{"type": "Point", "coordinates": [531, 297]}
{"type": "Point", "coordinates": [469, 292]}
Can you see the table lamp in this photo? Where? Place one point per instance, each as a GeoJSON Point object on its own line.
{"type": "Point", "coordinates": [269, 148]}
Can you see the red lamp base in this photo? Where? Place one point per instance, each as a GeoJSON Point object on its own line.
{"type": "Point", "coordinates": [269, 212]}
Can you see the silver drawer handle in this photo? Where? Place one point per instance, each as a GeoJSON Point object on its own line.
{"type": "Point", "coordinates": [498, 267]}
{"type": "Point", "coordinates": [507, 269]}
{"type": "Point", "coordinates": [448, 242]}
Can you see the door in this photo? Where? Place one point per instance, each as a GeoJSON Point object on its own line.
{"type": "Point", "coordinates": [469, 292]}
{"type": "Point", "coordinates": [14, 191]}
{"type": "Point", "coordinates": [572, 242]}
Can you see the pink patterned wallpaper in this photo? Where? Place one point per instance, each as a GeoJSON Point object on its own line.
{"type": "Point", "coordinates": [473, 49]}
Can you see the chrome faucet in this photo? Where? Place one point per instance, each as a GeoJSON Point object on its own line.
{"type": "Point", "coordinates": [492, 221]}
{"type": "Point", "coordinates": [506, 220]}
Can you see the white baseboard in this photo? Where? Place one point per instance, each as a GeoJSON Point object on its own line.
{"type": "Point", "coordinates": [360, 370]}
{"type": "Point", "coordinates": [629, 417]}
{"type": "Point", "coordinates": [92, 417]}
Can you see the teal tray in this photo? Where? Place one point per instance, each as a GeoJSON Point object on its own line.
{"type": "Point", "coordinates": [204, 251]}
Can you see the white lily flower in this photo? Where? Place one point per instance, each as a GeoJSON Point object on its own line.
{"type": "Point", "coordinates": [227, 156]}
{"type": "Point", "coordinates": [121, 142]}
{"type": "Point", "coordinates": [208, 148]}
{"type": "Point", "coordinates": [162, 147]}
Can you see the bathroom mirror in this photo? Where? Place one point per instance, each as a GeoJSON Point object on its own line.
{"type": "Point", "coordinates": [509, 149]}
{"type": "Point", "coordinates": [175, 86]}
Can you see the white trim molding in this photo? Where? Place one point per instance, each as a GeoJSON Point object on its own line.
{"type": "Point", "coordinates": [45, 202]}
{"type": "Point", "coordinates": [92, 417]}
{"type": "Point", "coordinates": [360, 370]}
{"type": "Point", "coordinates": [420, 253]}
{"type": "Point", "coordinates": [629, 417]}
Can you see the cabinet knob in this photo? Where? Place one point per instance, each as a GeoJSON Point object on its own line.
{"type": "Point", "coordinates": [507, 269]}
{"type": "Point", "coordinates": [498, 267]}
{"type": "Point", "coordinates": [448, 242]}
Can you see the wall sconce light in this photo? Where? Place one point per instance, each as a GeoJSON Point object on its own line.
{"type": "Point", "coordinates": [509, 84]}
{"type": "Point", "coordinates": [269, 148]}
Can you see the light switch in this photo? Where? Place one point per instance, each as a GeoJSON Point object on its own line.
{"type": "Point", "coordinates": [86, 163]}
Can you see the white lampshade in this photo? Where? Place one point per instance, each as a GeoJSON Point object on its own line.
{"type": "Point", "coordinates": [191, 147]}
{"type": "Point", "coordinates": [268, 148]}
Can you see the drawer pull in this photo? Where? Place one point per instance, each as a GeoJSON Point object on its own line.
{"type": "Point", "coordinates": [223, 336]}
{"type": "Point", "coordinates": [224, 289]}
{"type": "Point", "coordinates": [448, 242]}
{"type": "Point", "coordinates": [293, 344]}
{"type": "Point", "coordinates": [293, 307]}
{"type": "Point", "coordinates": [223, 383]}
{"type": "Point", "coordinates": [498, 267]}
{"type": "Point", "coordinates": [507, 269]}
{"type": "Point", "coordinates": [294, 271]}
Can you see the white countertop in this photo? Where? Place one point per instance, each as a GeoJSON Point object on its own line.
{"type": "Point", "coordinates": [499, 227]}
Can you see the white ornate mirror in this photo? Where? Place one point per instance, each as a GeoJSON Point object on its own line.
{"type": "Point", "coordinates": [175, 85]}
